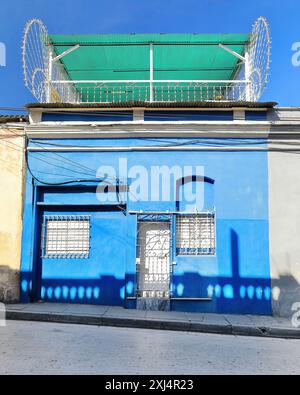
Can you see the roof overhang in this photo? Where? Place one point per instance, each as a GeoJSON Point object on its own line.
{"type": "Point", "coordinates": [155, 105]}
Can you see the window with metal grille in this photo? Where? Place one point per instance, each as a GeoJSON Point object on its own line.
{"type": "Point", "coordinates": [196, 234]}
{"type": "Point", "coordinates": [66, 237]}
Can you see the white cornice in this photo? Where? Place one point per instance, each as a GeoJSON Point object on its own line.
{"type": "Point", "coordinates": [151, 129]}
{"type": "Point", "coordinates": [237, 129]}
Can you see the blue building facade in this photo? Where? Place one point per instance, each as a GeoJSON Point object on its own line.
{"type": "Point", "coordinates": [100, 229]}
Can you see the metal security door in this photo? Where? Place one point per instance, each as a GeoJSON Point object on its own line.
{"type": "Point", "coordinates": [153, 264]}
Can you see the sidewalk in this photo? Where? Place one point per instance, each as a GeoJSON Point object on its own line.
{"type": "Point", "coordinates": [191, 322]}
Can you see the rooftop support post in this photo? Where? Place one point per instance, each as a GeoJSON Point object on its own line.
{"type": "Point", "coordinates": [151, 74]}
{"type": "Point", "coordinates": [49, 78]}
{"type": "Point", "coordinates": [248, 88]}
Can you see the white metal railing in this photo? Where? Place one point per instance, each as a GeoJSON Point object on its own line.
{"type": "Point", "coordinates": [146, 91]}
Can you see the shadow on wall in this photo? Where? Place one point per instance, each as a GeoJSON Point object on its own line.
{"type": "Point", "coordinates": [105, 290]}
{"type": "Point", "coordinates": [9, 285]}
{"type": "Point", "coordinates": [245, 296]}
{"type": "Point", "coordinates": [233, 295]}
{"type": "Point", "coordinates": [237, 294]}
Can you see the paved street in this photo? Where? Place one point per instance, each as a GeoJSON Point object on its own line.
{"type": "Point", "coordinates": [46, 348]}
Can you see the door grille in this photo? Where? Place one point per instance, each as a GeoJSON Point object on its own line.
{"type": "Point", "coordinates": [153, 266]}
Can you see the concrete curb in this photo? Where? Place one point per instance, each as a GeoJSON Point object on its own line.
{"type": "Point", "coordinates": [142, 323]}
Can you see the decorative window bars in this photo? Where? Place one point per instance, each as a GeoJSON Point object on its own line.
{"type": "Point", "coordinates": [196, 234]}
{"type": "Point", "coordinates": [66, 237]}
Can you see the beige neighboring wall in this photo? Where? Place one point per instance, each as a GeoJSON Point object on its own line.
{"type": "Point", "coordinates": [284, 200]}
{"type": "Point", "coordinates": [11, 201]}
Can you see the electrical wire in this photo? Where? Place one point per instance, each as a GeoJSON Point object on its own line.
{"type": "Point", "coordinates": [65, 183]}
{"type": "Point", "coordinates": [204, 142]}
{"type": "Point", "coordinates": [71, 181]}
{"type": "Point", "coordinates": [21, 149]}
{"type": "Point", "coordinates": [69, 161]}
{"type": "Point", "coordinates": [171, 143]}
{"type": "Point", "coordinates": [39, 158]}
{"type": "Point", "coordinates": [83, 167]}
{"type": "Point", "coordinates": [13, 108]}
{"type": "Point", "coordinates": [200, 142]}
{"type": "Point", "coordinates": [56, 183]}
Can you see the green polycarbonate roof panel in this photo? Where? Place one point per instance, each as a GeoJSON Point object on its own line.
{"type": "Point", "coordinates": [127, 57]}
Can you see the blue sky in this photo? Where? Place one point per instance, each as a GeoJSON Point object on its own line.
{"type": "Point", "coordinates": [158, 16]}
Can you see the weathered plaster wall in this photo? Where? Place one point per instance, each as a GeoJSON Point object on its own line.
{"type": "Point", "coordinates": [11, 187]}
{"type": "Point", "coordinates": [284, 187]}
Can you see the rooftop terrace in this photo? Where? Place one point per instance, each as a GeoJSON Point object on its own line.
{"type": "Point", "coordinates": [146, 67]}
